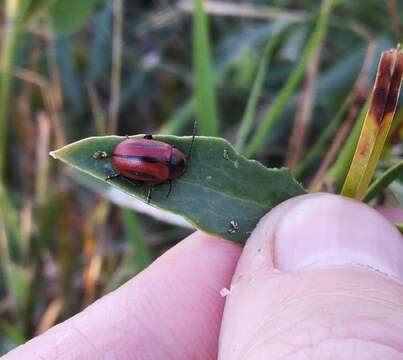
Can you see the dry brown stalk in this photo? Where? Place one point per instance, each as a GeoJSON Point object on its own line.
{"type": "Point", "coordinates": [42, 157]}
{"type": "Point", "coordinates": [93, 251]}
{"type": "Point", "coordinates": [49, 317]}
{"type": "Point", "coordinates": [52, 102]}
{"type": "Point", "coordinates": [304, 109]}
{"type": "Point", "coordinates": [97, 112]}
{"type": "Point", "coordinates": [117, 48]}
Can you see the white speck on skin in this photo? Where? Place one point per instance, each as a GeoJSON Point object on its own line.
{"type": "Point", "coordinates": [236, 164]}
{"type": "Point", "coordinates": [224, 292]}
{"type": "Point", "coordinates": [209, 177]}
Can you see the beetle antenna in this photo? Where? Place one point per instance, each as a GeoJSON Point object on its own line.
{"type": "Point", "coordinates": [193, 138]}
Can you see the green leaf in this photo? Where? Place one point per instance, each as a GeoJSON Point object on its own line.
{"type": "Point", "coordinates": [205, 102]}
{"type": "Point", "coordinates": [221, 192]}
{"type": "Point", "coordinates": [69, 15]}
{"type": "Point", "coordinates": [383, 181]}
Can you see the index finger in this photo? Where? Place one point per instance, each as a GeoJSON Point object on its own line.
{"type": "Point", "coordinates": [172, 310]}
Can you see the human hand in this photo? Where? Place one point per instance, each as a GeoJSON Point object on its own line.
{"type": "Point", "coordinates": [320, 278]}
{"type": "Point", "coordinates": [310, 284]}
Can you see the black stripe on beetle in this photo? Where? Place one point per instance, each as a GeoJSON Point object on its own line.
{"type": "Point", "coordinates": [163, 163]}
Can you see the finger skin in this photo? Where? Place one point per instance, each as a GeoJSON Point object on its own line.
{"type": "Point", "coordinates": [394, 215]}
{"type": "Point", "coordinates": [172, 310]}
{"type": "Point", "coordinates": [311, 284]}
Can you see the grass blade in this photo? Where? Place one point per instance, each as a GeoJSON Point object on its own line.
{"type": "Point", "coordinates": [318, 148]}
{"type": "Point", "coordinates": [116, 72]}
{"type": "Point", "coordinates": [292, 83]}
{"type": "Point", "coordinates": [383, 181]}
{"type": "Point", "coordinates": [12, 333]}
{"type": "Point", "coordinates": [13, 29]}
{"type": "Point", "coordinates": [179, 119]}
{"type": "Point", "coordinates": [137, 256]}
{"type": "Point", "coordinates": [353, 104]}
{"type": "Point", "coordinates": [205, 101]}
{"type": "Point", "coordinates": [376, 125]}
{"type": "Point", "coordinates": [337, 173]}
{"type": "Point", "coordinates": [257, 87]}
{"type": "Point", "coordinates": [141, 256]}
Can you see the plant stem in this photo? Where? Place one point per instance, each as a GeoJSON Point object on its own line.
{"type": "Point", "coordinates": [383, 181]}
{"type": "Point", "coordinates": [318, 148]}
{"type": "Point", "coordinates": [304, 109]}
{"type": "Point", "coordinates": [203, 78]}
{"type": "Point", "coordinates": [117, 48]}
{"type": "Point", "coordinates": [338, 171]}
{"type": "Point", "coordinates": [353, 103]}
{"type": "Point", "coordinates": [10, 41]}
{"type": "Point", "coordinates": [257, 87]}
{"type": "Point", "coordinates": [179, 119]}
{"type": "Point", "coordinates": [385, 95]}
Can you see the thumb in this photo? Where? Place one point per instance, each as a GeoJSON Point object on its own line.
{"type": "Point", "coordinates": [320, 277]}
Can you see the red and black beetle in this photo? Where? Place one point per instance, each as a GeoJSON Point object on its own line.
{"type": "Point", "coordinates": [148, 160]}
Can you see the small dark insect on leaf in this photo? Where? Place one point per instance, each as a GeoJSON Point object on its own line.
{"type": "Point", "coordinates": [100, 155]}
{"type": "Point", "coordinates": [226, 155]}
{"type": "Point", "coordinates": [233, 227]}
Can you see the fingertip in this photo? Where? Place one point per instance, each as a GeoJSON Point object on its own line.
{"type": "Point", "coordinates": [324, 229]}
{"type": "Point", "coordinates": [172, 309]}
{"type": "Point", "coordinates": [306, 278]}
{"type": "Point", "coordinates": [334, 230]}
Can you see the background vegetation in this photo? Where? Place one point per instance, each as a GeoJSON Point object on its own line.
{"type": "Point", "coordinates": [286, 84]}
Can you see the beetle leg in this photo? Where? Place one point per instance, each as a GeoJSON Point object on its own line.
{"type": "Point", "coordinates": [113, 176]}
{"type": "Point", "coordinates": [148, 136]}
{"type": "Point", "coordinates": [149, 193]}
{"type": "Point", "coordinates": [170, 188]}
{"type": "Point", "coordinates": [117, 175]}
{"type": "Point", "coordinates": [135, 183]}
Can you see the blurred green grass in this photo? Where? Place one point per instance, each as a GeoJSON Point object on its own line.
{"type": "Point", "coordinates": [63, 243]}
